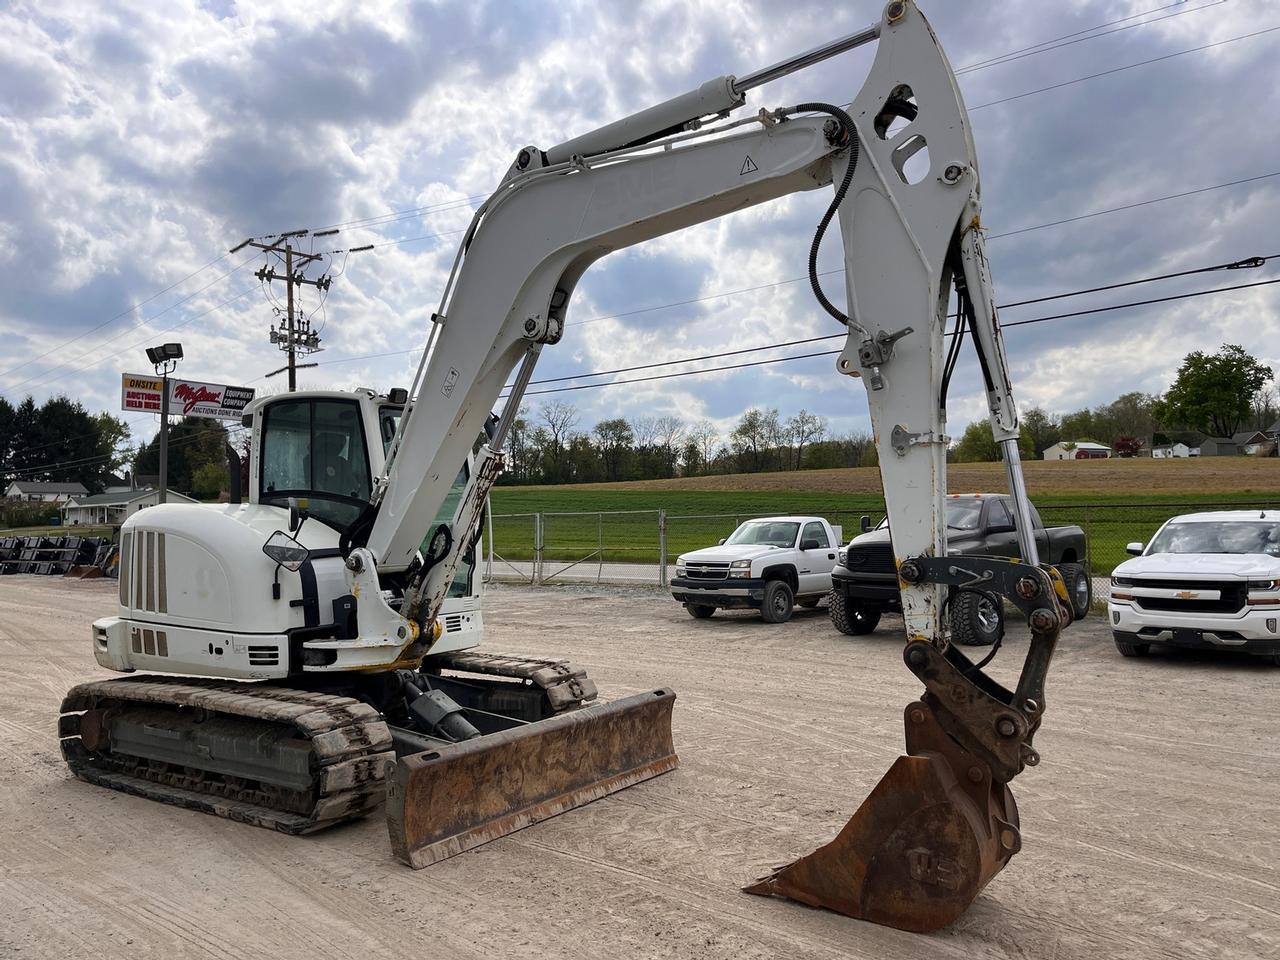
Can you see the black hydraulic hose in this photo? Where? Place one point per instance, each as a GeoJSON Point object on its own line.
{"type": "Point", "coordinates": [847, 123]}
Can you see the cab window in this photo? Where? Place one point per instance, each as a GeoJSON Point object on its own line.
{"type": "Point", "coordinates": [461, 586]}
{"type": "Point", "coordinates": [815, 531]}
{"type": "Point", "coordinates": [315, 448]}
{"type": "Point", "coordinates": [998, 515]}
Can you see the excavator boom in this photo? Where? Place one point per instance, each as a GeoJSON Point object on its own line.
{"type": "Point", "coordinates": [903, 166]}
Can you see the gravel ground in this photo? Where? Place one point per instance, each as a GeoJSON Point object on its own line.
{"type": "Point", "coordinates": [1149, 829]}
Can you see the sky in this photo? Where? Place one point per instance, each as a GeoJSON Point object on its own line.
{"type": "Point", "coordinates": [139, 142]}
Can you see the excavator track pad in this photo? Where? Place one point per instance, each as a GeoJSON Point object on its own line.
{"type": "Point", "coordinates": [444, 801]}
{"type": "Point", "coordinates": [928, 838]}
{"type": "Point", "coordinates": [291, 760]}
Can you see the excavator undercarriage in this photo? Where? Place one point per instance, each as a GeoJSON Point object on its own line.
{"type": "Point", "coordinates": [487, 743]}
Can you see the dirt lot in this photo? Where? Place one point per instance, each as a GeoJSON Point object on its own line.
{"type": "Point", "coordinates": [1150, 829]}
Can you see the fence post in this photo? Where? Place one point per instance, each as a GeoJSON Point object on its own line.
{"type": "Point", "coordinates": [662, 548]}
{"type": "Point", "coordinates": [537, 549]}
{"type": "Point", "coordinates": [1088, 541]}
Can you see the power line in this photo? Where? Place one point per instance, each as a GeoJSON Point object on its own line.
{"type": "Point", "coordinates": [1131, 206]}
{"type": "Point", "coordinates": [122, 313]}
{"type": "Point", "coordinates": [757, 363]}
{"type": "Point", "coordinates": [44, 378]}
{"type": "Point", "coordinates": [1141, 63]}
{"type": "Point", "coordinates": [998, 236]}
{"type": "Point", "coordinates": [144, 321]}
{"type": "Point", "coordinates": [1067, 40]}
{"type": "Point", "coordinates": [1245, 263]}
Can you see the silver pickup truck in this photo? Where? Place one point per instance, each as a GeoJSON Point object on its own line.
{"type": "Point", "coordinates": [768, 564]}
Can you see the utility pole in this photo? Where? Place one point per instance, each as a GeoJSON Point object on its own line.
{"type": "Point", "coordinates": [297, 337]}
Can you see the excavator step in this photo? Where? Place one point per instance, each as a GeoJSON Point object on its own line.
{"type": "Point", "coordinates": [445, 801]}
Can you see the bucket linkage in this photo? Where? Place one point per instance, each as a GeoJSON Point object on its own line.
{"type": "Point", "coordinates": [942, 822]}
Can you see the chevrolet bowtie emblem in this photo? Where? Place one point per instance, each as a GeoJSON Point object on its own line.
{"type": "Point", "coordinates": [1187, 595]}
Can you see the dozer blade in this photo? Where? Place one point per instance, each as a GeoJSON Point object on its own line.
{"type": "Point", "coordinates": [923, 844]}
{"type": "Point", "coordinates": [443, 802]}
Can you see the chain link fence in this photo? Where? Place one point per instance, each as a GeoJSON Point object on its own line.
{"type": "Point", "coordinates": [641, 546]}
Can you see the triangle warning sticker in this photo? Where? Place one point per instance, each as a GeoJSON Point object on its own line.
{"type": "Point", "coordinates": [748, 166]}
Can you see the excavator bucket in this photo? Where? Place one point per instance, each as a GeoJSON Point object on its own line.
{"type": "Point", "coordinates": [443, 802]}
{"type": "Point", "coordinates": [923, 844]}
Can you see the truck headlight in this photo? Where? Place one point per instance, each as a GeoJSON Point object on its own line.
{"type": "Point", "coordinates": [679, 566]}
{"type": "Point", "coordinates": [740, 568]}
{"type": "Point", "coordinates": [843, 557]}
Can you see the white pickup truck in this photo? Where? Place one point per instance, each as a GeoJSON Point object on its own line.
{"type": "Point", "coordinates": [768, 564]}
{"type": "Point", "coordinates": [1206, 580]}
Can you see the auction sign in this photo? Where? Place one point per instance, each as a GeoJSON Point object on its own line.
{"type": "Point", "coordinates": [187, 398]}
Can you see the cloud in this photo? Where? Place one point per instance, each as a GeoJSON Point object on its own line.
{"type": "Point", "coordinates": [139, 142]}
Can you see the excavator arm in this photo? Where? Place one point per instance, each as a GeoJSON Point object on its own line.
{"type": "Point", "coordinates": [904, 170]}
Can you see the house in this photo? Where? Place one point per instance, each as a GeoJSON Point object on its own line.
{"type": "Point", "coordinates": [1250, 441]}
{"type": "Point", "coordinates": [114, 507]}
{"type": "Point", "coordinates": [1218, 447]}
{"type": "Point", "coordinates": [36, 491]}
{"type": "Point", "coordinates": [1080, 450]}
{"type": "Point", "coordinates": [1174, 451]}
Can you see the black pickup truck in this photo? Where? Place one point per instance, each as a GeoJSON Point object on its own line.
{"type": "Point", "coordinates": [865, 579]}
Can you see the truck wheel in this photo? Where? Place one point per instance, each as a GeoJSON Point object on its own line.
{"type": "Point", "coordinates": [976, 618]}
{"type": "Point", "coordinates": [698, 611]}
{"type": "Point", "coordinates": [1128, 649]}
{"type": "Point", "coordinates": [778, 601]}
{"type": "Point", "coordinates": [1079, 588]}
{"type": "Point", "coordinates": [851, 619]}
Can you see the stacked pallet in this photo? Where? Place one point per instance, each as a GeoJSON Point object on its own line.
{"type": "Point", "coordinates": [52, 556]}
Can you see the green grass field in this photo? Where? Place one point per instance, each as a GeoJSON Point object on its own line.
{"type": "Point", "coordinates": [1120, 503]}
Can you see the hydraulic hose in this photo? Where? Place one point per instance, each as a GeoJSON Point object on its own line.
{"type": "Point", "coordinates": [847, 123]}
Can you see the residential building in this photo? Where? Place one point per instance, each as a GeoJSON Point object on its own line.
{"type": "Point", "coordinates": [114, 507]}
{"type": "Point", "coordinates": [1079, 450]}
{"type": "Point", "coordinates": [1174, 451]}
{"type": "Point", "coordinates": [1218, 447]}
{"type": "Point", "coordinates": [1250, 441]}
{"type": "Point", "coordinates": [40, 492]}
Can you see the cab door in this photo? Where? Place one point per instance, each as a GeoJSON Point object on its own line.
{"type": "Point", "coordinates": [813, 565]}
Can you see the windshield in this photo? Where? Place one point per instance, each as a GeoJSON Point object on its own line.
{"type": "Point", "coordinates": [766, 533]}
{"type": "Point", "coordinates": [314, 448]}
{"type": "Point", "coordinates": [963, 514]}
{"type": "Point", "coordinates": [1235, 536]}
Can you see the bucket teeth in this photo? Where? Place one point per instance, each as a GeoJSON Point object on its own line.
{"type": "Point", "coordinates": [918, 851]}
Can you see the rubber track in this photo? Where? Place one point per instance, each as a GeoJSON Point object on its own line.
{"type": "Point", "coordinates": [351, 744]}
{"type": "Point", "coordinates": [567, 685]}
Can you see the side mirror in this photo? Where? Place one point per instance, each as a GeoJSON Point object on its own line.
{"type": "Point", "coordinates": [1134, 548]}
{"type": "Point", "coordinates": [1000, 528]}
{"type": "Point", "coordinates": [865, 523]}
{"type": "Point", "coordinates": [722, 540]}
{"type": "Point", "coordinates": [286, 551]}
{"type": "Point", "coordinates": [809, 545]}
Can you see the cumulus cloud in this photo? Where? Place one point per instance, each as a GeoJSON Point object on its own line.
{"type": "Point", "coordinates": [138, 142]}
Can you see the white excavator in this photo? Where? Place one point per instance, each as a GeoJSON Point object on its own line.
{"type": "Point", "coordinates": [304, 659]}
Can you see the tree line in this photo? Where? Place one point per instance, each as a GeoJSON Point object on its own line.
{"type": "Point", "coordinates": [1213, 395]}
{"type": "Point", "coordinates": [546, 445]}
{"type": "Point", "coordinates": [59, 441]}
